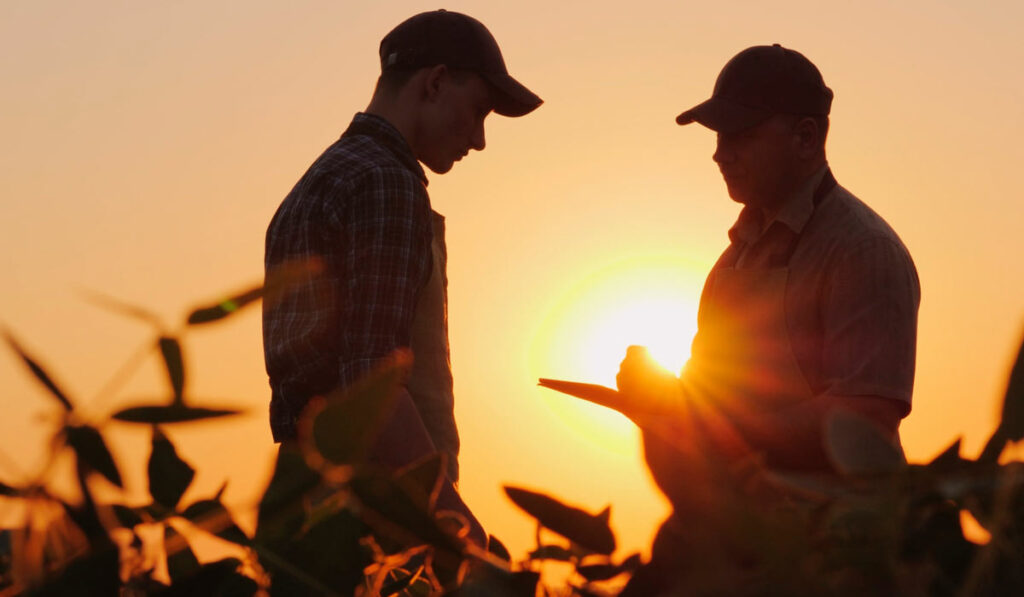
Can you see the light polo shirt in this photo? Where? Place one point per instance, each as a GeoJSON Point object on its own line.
{"type": "Point", "coordinates": [852, 292]}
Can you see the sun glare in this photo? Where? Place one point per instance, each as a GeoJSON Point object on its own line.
{"type": "Point", "coordinates": [649, 302]}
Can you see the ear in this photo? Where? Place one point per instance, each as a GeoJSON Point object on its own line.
{"type": "Point", "coordinates": [808, 137]}
{"type": "Point", "coordinates": [433, 81]}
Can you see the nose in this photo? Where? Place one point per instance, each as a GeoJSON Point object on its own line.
{"type": "Point", "coordinates": [723, 152]}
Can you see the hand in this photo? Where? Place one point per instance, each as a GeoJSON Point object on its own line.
{"type": "Point", "coordinates": [647, 387]}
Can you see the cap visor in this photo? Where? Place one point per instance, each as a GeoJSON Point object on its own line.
{"type": "Point", "coordinates": [724, 116]}
{"type": "Point", "coordinates": [511, 98]}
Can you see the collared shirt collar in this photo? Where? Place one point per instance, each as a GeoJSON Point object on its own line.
{"type": "Point", "coordinates": [386, 133]}
{"type": "Point", "coordinates": [794, 214]}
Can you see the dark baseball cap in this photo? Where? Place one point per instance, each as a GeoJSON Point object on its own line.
{"type": "Point", "coordinates": [459, 42]}
{"type": "Point", "coordinates": [758, 83]}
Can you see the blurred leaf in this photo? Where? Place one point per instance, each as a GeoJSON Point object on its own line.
{"type": "Point", "coordinates": [127, 516]}
{"type": "Point", "coordinates": [278, 281]}
{"type": "Point", "coordinates": [632, 563]}
{"type": "Point", "coordinates": [1012, 422]}
{"type": "Point", "coordinates": [9, 491]}
{"type": "Point", "coordinates": [397, 586]}
{"type": "Point", "coordinates": [552, 552]}
{"type": "Point", "coordinates": [281, 511]}
{"type": "Point", "coordinates": [584, 529]}
{"type": "Point", "coordinates": [181, 561]}
{"type": "Point", "coordinates": [38, 371]}
{"type": "Point", "coordinates": [216, 579]}
{"type": "Point", "coordinates": [97, 574]}
{"type": "Point", "coordinates": [599, 572]}
{"type": "Point", "coordinates": [225, 307]}
{"type": "Point", "coordinates": [211, 516]}
{"type": "Point", "coordinates": [496, 547]}
{"type": "Point", "coordinates": [172, 413]}
{"type": "Point", "coordinates": [346, 426]}
{"type": "Point", "coordinates": [422, 479]}
{"type": "Point", "coordinates": [123, 308]}
{"type": "Point", "coordinates": [171, 351]}
{"type": "Point", "coordinates": [395, 515]}
{"type": "Point", "coordinates": [949, 458]}
{"type": "Point", "coordinates": [857, 447]}
{"type": "Point", "coordinates": [90, 448]}
{"type": "Point", "coordinates": [169, 475]}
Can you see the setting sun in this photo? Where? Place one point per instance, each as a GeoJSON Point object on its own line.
{"type": "Point", "coordinates": [649, 302]}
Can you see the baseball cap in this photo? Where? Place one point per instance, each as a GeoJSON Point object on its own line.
{"type": "Point", "coordinates": [459, 42]}
{"type": "Point", "coordinates": [758, 83]}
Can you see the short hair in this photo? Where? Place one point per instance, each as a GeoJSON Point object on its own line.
{"type": "Point", "coordinates": [392, 80]}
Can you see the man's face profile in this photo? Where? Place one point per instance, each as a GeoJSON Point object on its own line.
{"type": "Point", "coordinates": [453, 119]}
{"type": "Point", "coordinates": [759, 163]}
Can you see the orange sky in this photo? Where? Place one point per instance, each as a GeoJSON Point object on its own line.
{"type": "Point", "coordinates": [146, 146]}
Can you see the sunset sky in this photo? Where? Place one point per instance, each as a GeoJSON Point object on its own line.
{"type": "Point", "coordinates": [147, 144]}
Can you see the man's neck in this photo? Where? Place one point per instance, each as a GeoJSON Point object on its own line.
{"type": "Point", "coordinates": [771, 210]}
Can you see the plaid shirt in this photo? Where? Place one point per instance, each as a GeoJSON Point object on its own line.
{"type": "Point", "coordinates": [362, 209]}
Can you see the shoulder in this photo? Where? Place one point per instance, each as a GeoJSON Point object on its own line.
{"type": "Point", "coordinates": [853, 228]}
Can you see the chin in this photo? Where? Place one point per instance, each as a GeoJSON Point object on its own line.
{"type": "Point", "coordinates": [441, 168]}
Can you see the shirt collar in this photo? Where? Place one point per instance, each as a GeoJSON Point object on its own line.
{"type": "Point", "coordinates": [387, 135]}
{"type": "Point", "coordinates": [794, 214]}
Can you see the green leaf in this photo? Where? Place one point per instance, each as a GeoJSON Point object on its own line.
{"type": "Point", "coordinates": [552, 552]}
{"type": "Point", "coordinates": [171, 351]}
{"type": "Point", "coordinates": [496, 547]}
{"type": "Point", "coordinates": [173, 413]}
{"type": "Point", "coordinates": [586, 530]}
{"type": "Point", "coordinates": [279, 280]}
{"type": "Point", "coordinates": [225, 307]}
{"type": "Point", "coordinates": [181, 560]}
{"type": "Point", "coordinates": [169, 475]}
{"type": "Point", "coordinates": [1012, 422]}
{"type": "Point", "coordinates": [211, 516]}
{"type": "Point", "coordinates": [39, 372]}
{"type": "Point", "coordinates": [857, 447]}
{"type": "Point", "coordinates": [422, 479]}
{"type": "Point", "coordinates": [90, 448]}
{"type": "Point", "coordinates": [347, 425]}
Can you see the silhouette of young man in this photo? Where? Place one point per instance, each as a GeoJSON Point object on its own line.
{"type": "Point", "coordinates": [363, 210]}
{"type": "Point", "coordinates": [812, 307]}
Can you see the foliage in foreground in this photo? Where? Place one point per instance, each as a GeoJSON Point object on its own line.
{"type": "Point", "coordinates": [330, 524]}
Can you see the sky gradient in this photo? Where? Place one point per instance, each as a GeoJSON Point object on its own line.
{"type": "Point", "coordinates": [148, 144]}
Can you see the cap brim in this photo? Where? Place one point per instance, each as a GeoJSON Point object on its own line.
{"type": "Point", "coordinates": [511, 97]}
{"type": "Point", "coordinates": [724, 116]}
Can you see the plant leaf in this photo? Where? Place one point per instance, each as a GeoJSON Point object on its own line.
{"type": "Point", "coordinates": [123, 308]}
{"type": "Point", "coordinates": [496, 547]}
{"type": "Point", "coordinates": [211, 516]}
{"type": "Point", "coordinates": [9, 491]}
{"type": "Point", "coordinates": [170, 348]}
{"type": "Point", "coordinates": [90, 448]}
{"type": "Point", "coordinates": [281, 511]}
{"type": "Point", "coordinates": [857, 447]}
{"type": "Point", "coordinates": [278, 281]}
{"type": "Point", "coordinates": [552, 552]}
{"type": "Point", "coordinates": [395, 515]}
{"type": "Point", "coordinates": [127, 516]}
{"type": "Point", "coordinates": [345, 426]}
{"type": "Point", "coordinates": [225, 307]}
{"type": "Point", "coordinates": [598, 572]}
{"type": "Point", "coordinates": [1012, 421]}
{"type": "Point", "coordinates": [422, 479]}
{"type": "Point", "coordinates": [39, 372]}
{"type": "Point", "coordinates": [181, 560]}
{"type": "Point", "coordinates": [586, 530]}
{"type": "Point", "coordinates": [173, 413]}
{"type": "Point", "coordinates": [169, 475]}
{"type": "Point", "coordinates": [949, 458]}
